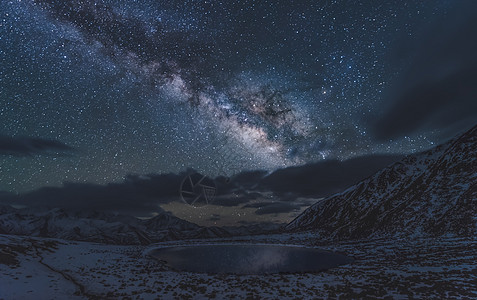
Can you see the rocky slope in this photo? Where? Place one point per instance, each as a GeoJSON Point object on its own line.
{"type": "Point", "coordinates": [428, 194]}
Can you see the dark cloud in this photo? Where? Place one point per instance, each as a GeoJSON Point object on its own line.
{"type": "Point", "coordinates": [143, 195]}
{"type": "Point", "coordinates": [235, 199]}
{"type": "Point", "coordinates": [248, 179]}
{"type": "Point", "coordinates": [439, 89]}
{"type": "Point", "coordinates": [315, 180]}
{"type": "Point", "coordinates": [26, 146]}
{"type": "Point", "coordinates": [240, 182]}
{"type": "Point", "coordinates": [324, 178]}
{"type": "Point", "coordinates": [266, 208]}
{"type": "Point", "coordinates": [7, 196]}
{"type": "Point", "coordinates": [136, 195]}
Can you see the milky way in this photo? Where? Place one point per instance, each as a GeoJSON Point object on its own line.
{"type": "Point", "coordinates": [161, 86]}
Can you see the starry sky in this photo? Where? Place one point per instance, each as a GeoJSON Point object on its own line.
{"type": "Point", "coordinates": [94, 91]}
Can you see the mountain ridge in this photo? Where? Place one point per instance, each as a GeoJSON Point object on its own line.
{"type": "Point", "coordinates": [429, 193]}
{"type": "Point", "coordinates": [110, 228]}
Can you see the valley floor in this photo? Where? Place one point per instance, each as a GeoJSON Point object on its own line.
{"type": "Point", "coordinates": [35, 268]}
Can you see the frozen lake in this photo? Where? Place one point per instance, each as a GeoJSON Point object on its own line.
{"type": "Point", "coordinates": [248, 259]}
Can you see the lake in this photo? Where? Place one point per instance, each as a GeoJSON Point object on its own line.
{"type": "Point", "coordinates": [248, 259]}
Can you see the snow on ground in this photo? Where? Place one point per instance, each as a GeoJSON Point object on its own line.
{"type": "Point", "coordinates": [35, 268]}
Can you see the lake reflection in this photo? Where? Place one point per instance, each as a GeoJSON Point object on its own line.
{"type": "Point", "coordinates": [248, 259]}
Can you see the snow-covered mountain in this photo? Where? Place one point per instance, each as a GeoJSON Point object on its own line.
{"type": "Point", "coordinates": [426, 194]}
{"type": "Point", "coordinates": [111, 228]}
{"type": "Point", "coordinates": [95, 226]}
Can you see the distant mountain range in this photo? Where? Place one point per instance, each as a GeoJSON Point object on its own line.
{"type": "Point", "coordinates": [110, 228]}
{"type": "Point", "coordinates": [433, 193]}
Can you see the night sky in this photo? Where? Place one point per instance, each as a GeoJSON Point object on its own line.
{"type": "Point", "coordinates": [95, 91]}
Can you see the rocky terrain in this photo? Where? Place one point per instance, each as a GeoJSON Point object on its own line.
{"type": "Point", "coordinates": [42, 268]}
{"type": "Point", "coordinates": [427, 194]}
